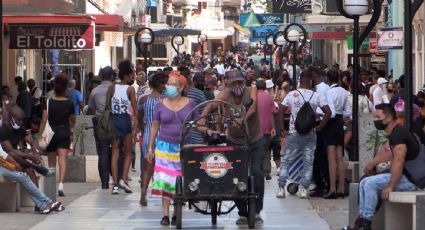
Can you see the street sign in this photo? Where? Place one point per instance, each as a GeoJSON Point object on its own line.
{"type": "Point", "coordinates": [260, 33]}
{"type": "Point", "coordinates": [390, 38]}
{"type": "Point", "coordinates": [263, 19]}
{"type": "Point", "coordinates": [292, 6]}
{"type": "Point", "coordinates": [51, 36]}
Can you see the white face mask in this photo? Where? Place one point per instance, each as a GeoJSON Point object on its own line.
{"type": "Point", "coordinates": [15, 125]}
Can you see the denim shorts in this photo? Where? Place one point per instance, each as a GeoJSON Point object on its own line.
{"type": "Point", "coordinates": [122, 124]}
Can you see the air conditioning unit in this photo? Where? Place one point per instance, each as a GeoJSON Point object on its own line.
{"type": "Point", "coordinates": [329, 7]}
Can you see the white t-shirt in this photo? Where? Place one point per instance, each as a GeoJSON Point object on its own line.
{"type": "Point", "coordinates": [378, 93]}
{"type": "Point", "coordinates": [120, 103]}
{"type": "Point", "coordinates": [294, 100]}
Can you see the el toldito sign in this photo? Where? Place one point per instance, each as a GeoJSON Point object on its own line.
{"type": "Point", "coordinates": [51, 36]}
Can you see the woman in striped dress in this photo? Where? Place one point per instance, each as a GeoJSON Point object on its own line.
{"type": "Point", "coordinates": [168, 118]}
{"type": "Point", "coordinates": [146, 111]}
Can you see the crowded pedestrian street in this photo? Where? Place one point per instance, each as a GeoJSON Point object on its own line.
{"type": "Point", "coordinates": [212, 114]}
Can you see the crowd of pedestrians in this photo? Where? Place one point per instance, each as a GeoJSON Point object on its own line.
{"type": "Point", "coordinates": [307, 121]}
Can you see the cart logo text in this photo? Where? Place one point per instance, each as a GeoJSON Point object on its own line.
{"type": "Point", "coordinates": [216, 165]}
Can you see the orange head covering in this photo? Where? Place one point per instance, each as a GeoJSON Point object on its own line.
{"type": "Point", "coordinates": [179, 76]}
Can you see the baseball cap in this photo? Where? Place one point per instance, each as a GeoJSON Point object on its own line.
{"type": "Point", "coordinates": [269, 84]}
{"type": "Point", "coordinates": [382, 80]}
{"type": "Point", "coordinates": [107, 71]}
{"type": "Point", "coordinates": [234, 75]}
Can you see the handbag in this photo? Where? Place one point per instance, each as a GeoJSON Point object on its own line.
{"type": "Point", "coordinates": [47, 134]}
{"type": "Point", "coordinates": [104, 127]}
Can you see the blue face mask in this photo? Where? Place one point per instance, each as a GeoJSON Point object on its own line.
{"type": "Point", "coordinates": [171, 91]}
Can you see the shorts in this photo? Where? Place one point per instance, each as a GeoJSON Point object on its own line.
{"type": "Point", "coordinates": [335, 131]}
{"type": "Point", "coordinates": [60, 140]}
{"type": "Point", "coordinates": [275, 148]}
{"type": "Point", "coordinates": [122, 124]}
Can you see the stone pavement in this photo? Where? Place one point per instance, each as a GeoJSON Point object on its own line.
{"type": "Point", "coordinates": [100, 210]}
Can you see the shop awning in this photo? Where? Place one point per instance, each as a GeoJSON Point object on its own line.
{"type": "Point", "coordinates": [177, 31]}
{"type": "Point", "coordinates": [108, 22]}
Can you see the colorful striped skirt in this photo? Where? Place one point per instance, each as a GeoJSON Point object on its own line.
{"type": "Point", "coordinates": [167, 168]}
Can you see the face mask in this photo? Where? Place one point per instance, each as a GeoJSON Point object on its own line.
{"type": "Point", "coordinates": [421, 103]}
{"type": "Point", "coordinates": [379, 124]}
{"type": "Point", "coordinates": [171, 91]}
{"type": "Point", "coordinates": [14, 124]}
{"type": "Point", "coordinates": [390, 90]}
{"type": "Point", "coordinates": [238, 91]}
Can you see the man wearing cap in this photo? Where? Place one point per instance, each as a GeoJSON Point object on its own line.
{"type": "Point", "coordinates": [266, 111]}
{"type": "Point", "coordinates": [239, 95]}
{"type": "Point", "coordinates": [96, 106]}
{"type": "Point", "coordinates": [378, 92]}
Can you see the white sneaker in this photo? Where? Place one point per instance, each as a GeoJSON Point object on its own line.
{"type": "Point", "coordinates": [258, 219]}
{"type": "Point", "coordinates": [280, 193]}
{"type": "Point", "coordinates": [125, 186]}
{"type": "Point", "coordinates": [304, 193]}
{"type": "Point", "coordinates": [242, 221]}
{"type": "Point", "coordinates": [115, 190]}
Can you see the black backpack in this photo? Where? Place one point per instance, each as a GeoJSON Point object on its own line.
{"type": "Point", "coordinates": [306, 117]}
{"type": "Point", "coordinates": [414, 169]}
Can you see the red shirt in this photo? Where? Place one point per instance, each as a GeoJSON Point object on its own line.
{"type": "Point", "coordinates": [266, 109]}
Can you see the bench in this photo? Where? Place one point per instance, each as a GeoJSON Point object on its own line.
{"type": "Point", "coordinates": [402, 211]}
{"type": "Point", "coordinates": [9, 195]}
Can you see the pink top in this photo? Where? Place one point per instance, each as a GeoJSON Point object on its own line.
{"type": "Point", "coordinates": [266, 109]}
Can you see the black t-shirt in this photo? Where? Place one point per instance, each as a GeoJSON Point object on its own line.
{"type": "Point", "coordinates": [12, 135]}
{"type": "Point", "coordinates": [59, 113]}
{"type": "Point", "coordinates": [401, 135]}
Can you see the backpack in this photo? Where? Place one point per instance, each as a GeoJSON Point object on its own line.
{"type": "Point", "coordinates": [104, 127]}
{"type": "Point", "coordinates": [414, 169]}
{"type": "Point", "coordinates": [306, 117]}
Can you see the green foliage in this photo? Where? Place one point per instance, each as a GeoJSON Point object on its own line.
{"type": "Point", "coordinates": [375, 139]}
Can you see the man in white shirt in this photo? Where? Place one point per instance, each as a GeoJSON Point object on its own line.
{"type": "Point", "coordinates": [320, 165]}
{"type": "Point", "coordinates": [298, 144]}
{"type": "Point", "coordinates": [378, 93]}
{"type": "Point", "coordinates": [337, 98]}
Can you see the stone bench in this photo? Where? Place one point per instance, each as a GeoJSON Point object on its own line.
{"type": "Point", "coordinates": [400, 212]}
{"type": "Point", "coordinates": [9, 195]}
{"type": "Point", "coordinates": [352, 171]}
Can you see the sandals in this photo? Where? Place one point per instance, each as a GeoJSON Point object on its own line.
{"type": "Point", "coordinates": [53, 207]}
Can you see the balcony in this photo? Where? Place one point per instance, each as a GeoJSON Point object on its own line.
{"type": "Point", "coordinates": [38, 6]}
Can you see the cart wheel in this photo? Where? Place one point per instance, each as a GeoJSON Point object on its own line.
{"type": "Point", "coordinates": [214, 212]}
{"type": "Point", "coordinates": [179, 202]}
{"type": "Point", "coordinates": [251, 213]}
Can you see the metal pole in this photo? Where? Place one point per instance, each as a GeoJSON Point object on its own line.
{"type": "Point", "coordinates": [271, 58]}
{"type": "Point", "coordinates": [294, 64]}
{"type": "Point", "coordinates": [280, 58]}
{"type": "Point", "coordinates": [202, 52]}
{"type": "Point", "coordinates": [408, 68]}
{"type": "Point", "coordinates": [355, 138]}
{"type": "Point", "coordinates": [178, 55]}
{"type": "Point", "coordinates": [265, 51]}
{"type": "Point", "coordinates": [145, 55]}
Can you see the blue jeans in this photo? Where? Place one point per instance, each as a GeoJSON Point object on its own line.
{"type": "Point", "coordinates": [104, 152]}
{"type": "Point", "coordinates": [370, 189]}
{"type": "Point", "coordinates": [295, 146]}
{"type": "Point", "coordinates": [40, 200]}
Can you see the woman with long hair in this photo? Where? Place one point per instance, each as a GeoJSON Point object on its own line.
{"type": "Point", "coordinates": [169, 115]}
{"type": "Point", "coordinates": [146, 108]}
{"type": "Point", "coordinates": [123, 98]}
{"type": "Point", "coordinates": [60, 113]}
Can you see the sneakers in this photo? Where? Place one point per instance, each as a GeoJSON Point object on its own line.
{"type": "Point", "coordinates": [165, 221]}
{"type": "Point", "coordinates": [304, 193]}
{"type": "Point", "coordinates": [115, 190]}
{"type": "Point", "coordinates": [280, 193]}
{"type": "Point", "coordinates": [125, 186]}
{"type": "Point", "coordinates": [268, 177]}
{"type": "Point", "coordinates": [242, 221]}
{"type": "Point", "coordinates": [258, 219]}
{"type": "Point", "coordinates": [173, 220]}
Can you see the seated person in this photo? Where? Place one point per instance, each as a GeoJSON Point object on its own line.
{"type": "Point", "coordinates": [12, 132]}
{"type": "Point", "coordinates": [404, 147]}
{"type": "Point", "coordinates": [41, 201]}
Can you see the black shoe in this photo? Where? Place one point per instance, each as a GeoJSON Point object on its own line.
{"type": "Point", "coordinates": [331, 196]}
{"type": "Point", "coordinates": [268, 177]}
{"type": "Point", "coordinates": [363, 224]}
{"type": "Point", "coordinates": [173, 220]}
{"type": "Point", "coordinates": [105, 186]}
{"type": "Point", "coordinates": [340, 195]}
{"type": "Point", "coordinates": [165, 221]}
{"type": "Point", "coordinates": [61, 193]}
{"type": "Point", "coordinates": [318, 193]}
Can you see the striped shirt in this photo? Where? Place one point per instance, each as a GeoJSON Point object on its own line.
{"type": "Point", "coordinates": [198, 97]}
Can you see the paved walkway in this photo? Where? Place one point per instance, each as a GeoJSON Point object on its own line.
{"type": "Point", "coordinates": [101, 210]}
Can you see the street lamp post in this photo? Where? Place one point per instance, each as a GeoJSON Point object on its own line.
{"type": "Point", "coordinates": [353, 9]}
{"type": "Point", "coordinates": [201, 39]}
{"type": "Point", "coordinates": [269, 42]}
{"type": "Point", "coordinates": [177, 40]}
{"type": "Point", "coordinates": [142, 39]}
{"type": "Point", "coordinates": [279, 41]}
{"type": "Point", "coordinates": [293, 37]}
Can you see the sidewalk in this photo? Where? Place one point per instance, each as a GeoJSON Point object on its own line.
{"type": "Point", "coordinates": [100, 210]}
